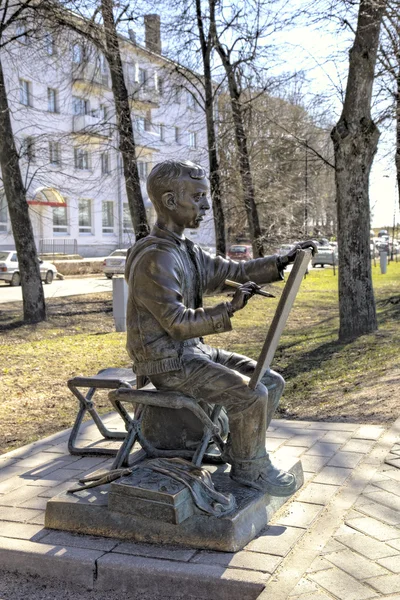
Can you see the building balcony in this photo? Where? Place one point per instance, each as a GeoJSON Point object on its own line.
{"type": "Point", "coordinates": [91, 125]}
{"type": "Point", "coordinates": [90, 73]}
{"type": "Point", "coordinates": [147, 95]}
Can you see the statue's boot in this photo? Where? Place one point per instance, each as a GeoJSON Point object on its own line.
{"type": "Point", "coordinates": [260, 474]}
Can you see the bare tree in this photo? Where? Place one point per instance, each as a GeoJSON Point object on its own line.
{"type": "Point", "coordinates": [355, 139]}
{"type": "Point", "coordinates": [34, 308]}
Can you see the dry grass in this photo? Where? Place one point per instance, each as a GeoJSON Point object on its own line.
{"type": "Point", "coordinates": [325, 379]}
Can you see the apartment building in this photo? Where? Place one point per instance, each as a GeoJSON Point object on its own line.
{"type": "Point", "coordinates": [63, 118]}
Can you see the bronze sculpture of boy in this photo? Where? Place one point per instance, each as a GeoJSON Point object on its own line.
{"type": "Point", "coordinates": [167, 276]}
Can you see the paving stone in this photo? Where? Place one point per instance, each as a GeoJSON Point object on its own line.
{"type": "Point", "coordinates": [362, 446]}
{"type": "Point", "coordinates": [386, 498]}
{"type": "Point", "coordinates": [22, 531]}
{"type": "Point", "coordinates": [299, 514]}
{"type": "Point", "coordinates": [320, 564]}
{"type": "Point", "coordinates": [317, 493]}
{"type": "Point", "coordinates": [392, 563]}
{"type": "Point", "coordinates": [313, 464]}
{"type": "Point", "coordinates": [273, 443]}
{"type": "Point", "coordinates": [66, 564]}
{"type": "Point", "coordinates": [369, 432]}
{"type": "Point", "coordinates": [345, 459]}
{"type": "Point", "coordinates": [333, 475]}
{"type": "Point", "coordinates": [147, 576]}
{"type": "Point", "coordinates": [35, 502]}
{"type": "Point", "coordinates": [88, 462]}
{"type": "Point", "coordinates": [19, 515]}
{"type": "Point", "coordinates": [290, 451]}
{"type": "Point", "coordinates": [306, 440]}
{"type": "Point", "coordinates": [276, 540]}
{"type": "Point", "coordinates": [323, 449]}
{"type": "Point", "coordinates": [388, 584]}
{"type": "Point", "coordinates": [366, 546]}
{"type": "Point", "coordinates": [395, 462]}
{"type": "Point", "coordinates": [337, 437]}
{"type": "Point", "coordinates": [39, 519]}
{"type": "Point", "coordinates": [304, 586]}
{"type": "Point", "coordinates": [343, 530]}
{"type": "Point", "coordinates": [44, 458]}
{"type": "Point", "coordinates": [55, 470]}
{"type": "Point", "coordinates": [58, 489]}
{"type": "Point", "coordinates": [312, 596]}
{"type": "Point", "coordinates": [392, 473]}
{"type": "Point", "coordinates": [374, 528]}
{"type": "Point", "coordinates": [11, 471]}
{"type": "Point", "coordinates": [55, 478]}
{"type": "Point", "coordinates": [355, 565]}
{"type": "Point", "coordinates": [341, 585]}
{"type": "Point", "coordinates": [373, 509]}
{"type": "Point", "coordinates": [11, 484]}
{"type": "Point", "coordinates": [332, 546]}
{"type": "Point", "coordinates": [334, 426]}
{"type": "Point", "coordinates": [389, 485]}
{"type": "Point", "coordinates": [154, 551]}
{"type": "Point", "coordinates": [72, 540]}
{"type": "Point", "coordinates": [395, 543]}
{"type": "Point", "coordinates": [255, 561]}
{"type": "Point", "coordinates": [20, 495]}
{"type": "Point", "coordinates": [279, 433]}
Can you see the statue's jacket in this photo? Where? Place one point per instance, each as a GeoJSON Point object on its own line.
{"type": "Point", "coordinates": [167, 277]}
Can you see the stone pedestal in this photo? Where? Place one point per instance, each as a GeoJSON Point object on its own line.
{"type": "Point", "coordinates": [175, 520]}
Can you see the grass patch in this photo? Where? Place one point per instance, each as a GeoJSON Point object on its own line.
{"type": "Point", "coordinates": [326, 380]}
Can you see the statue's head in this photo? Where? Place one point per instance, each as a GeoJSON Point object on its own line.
{"type": "Point", "coordinates": [178, 190]}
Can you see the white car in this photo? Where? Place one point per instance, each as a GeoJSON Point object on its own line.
{"type": "Point", "coordinates": [9, 269]}
{"type": "Point", "coordinates": [115, 263]}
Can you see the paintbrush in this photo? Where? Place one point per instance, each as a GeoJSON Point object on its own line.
{"type": "Point", "coordinates": [259, 292]}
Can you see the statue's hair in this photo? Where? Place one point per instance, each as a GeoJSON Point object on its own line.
{"type": "Point", "coordinates": [165, 176]}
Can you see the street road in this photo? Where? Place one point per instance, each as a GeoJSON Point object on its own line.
{"type": "Point", "coordinates": [65, 287]}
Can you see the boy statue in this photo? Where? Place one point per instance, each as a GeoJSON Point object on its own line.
{"type": "Point", "coordinates": [167, 275]}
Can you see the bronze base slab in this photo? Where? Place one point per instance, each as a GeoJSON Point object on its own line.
{"type": "Point", "coordinates": [87, 512]}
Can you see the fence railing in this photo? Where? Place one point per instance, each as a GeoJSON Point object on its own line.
{"type": "Point", "coordinates": [58, 246]}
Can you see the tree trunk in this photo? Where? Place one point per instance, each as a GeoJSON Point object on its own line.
{"type": "Point", "coordinates": [244, 160]}
{"type": "Point", "coordinates": [355, 139]}
{"type": "Point", "coordinates": [397, 156]}
{"type": "Point", "coordinates": [34, 307]}
{"type": "Point", "coordinates": [215, 180]}
{"type": "Point", "coordinates": [124, 124]}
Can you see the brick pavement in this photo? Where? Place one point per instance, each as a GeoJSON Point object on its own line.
{"type": "Point", "coordinates": [338, 538]}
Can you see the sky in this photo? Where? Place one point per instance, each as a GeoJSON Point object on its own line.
{"type": "Point", "coordinates": [316, 52]}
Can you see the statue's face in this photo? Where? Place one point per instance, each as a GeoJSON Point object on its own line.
{"type": "Point", "coordinates": [191, 203]}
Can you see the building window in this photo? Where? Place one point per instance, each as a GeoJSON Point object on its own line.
{"type": "Point", "coordinates": [77, 54]}
{"type": "Point", "coordinates": [161, 86]}
{"type": "Point", "coordinates": [21, 34]}
{"type": "Point", "coordinates": [192, 139]}
{"type": "Point", "coordinates": [147, 122]}
{"type": "Point", "coordinates": [140, 123]}
{"type": "Point", "coordinates": [52, 100]}
{"type": "Point", "coordinates": [161, 131]}
{"type": "Point", "coordinates": [105, 163]}
{"type": "Point", "coordinates": [191, 100]}
{"type": "Point", "coordinates": [127, 221]}
{"type": "Point", "coordinates": [108, 217]}
{"type": "Point", "coordinates": [25, 92]}
{"type": "Point", "coordinates": [103, 112]}
{"type": "Point", "coordinates": [60, 222]}
{"type": "Point", "coordinates": [3, 212]}
{"type": "Point", "coordinates": [143, 169]}
{"type": "Point", "coordinates": [81, 159]}
{"type": "Point", "coordinates": [80, 106]}
{"type": "Point", "coordinates": [143, 78]}
{"type": "Point", "coordinates": [85, 216]}
{"type": "Point", "coordinates": [50, 44]}
{"type": "Point", "coordinates": [177, 135]}
{"type": "Point", "coordinates": [28, 149]}
{"type": "Point", "coordinates": [176, 93]}
{"type": "Point", "coordinates": [54, 153]}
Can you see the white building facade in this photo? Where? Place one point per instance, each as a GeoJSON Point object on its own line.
{"type": "Point", "coordinates": [63, 119]}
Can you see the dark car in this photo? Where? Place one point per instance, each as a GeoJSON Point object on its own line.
{"type": "Point", "coordinates": [240, 252]}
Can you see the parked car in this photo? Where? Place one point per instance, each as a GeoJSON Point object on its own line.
{"type": "Point", "coordinates": [327, 255]}
{"type": "Point", "coordinates": [9, 268]}
{"type": "Point", "coordinates": [240, 252]}
{"type": "Point", "coordinates": [285, 248]}
{"type": "Point", "coordinates": [115, 263]}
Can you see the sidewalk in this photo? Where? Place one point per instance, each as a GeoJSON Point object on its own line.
{"type": "Point", "coordinates": [338, 538]}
